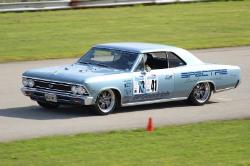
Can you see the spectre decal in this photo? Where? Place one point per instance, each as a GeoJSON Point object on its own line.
{"type": "Point", "coordinates": [204, 73]}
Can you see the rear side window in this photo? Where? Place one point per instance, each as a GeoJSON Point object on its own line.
{"type": "Point", "coordinates": [160, 55]}
{"type": "Point", "coordinates": [174, 60]}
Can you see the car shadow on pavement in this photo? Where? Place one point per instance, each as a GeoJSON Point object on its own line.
{"type": "Point", "coordinates": [39, 113]}
{"type": "Point", "coordinates": [68, 112]}
{"type": "Point", "coordinates": [172, 104]}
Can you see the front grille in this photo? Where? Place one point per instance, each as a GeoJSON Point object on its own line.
{"type": "Point", "coordinates": [41, 84]}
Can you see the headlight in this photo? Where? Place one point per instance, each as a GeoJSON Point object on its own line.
{"type": "Point", "coordinates": [25, 82]}
{"type": "Point", "coordinates": [81, 90]}
{"type": "Point", "coordinates": [28, 82]}
{"type": "Point", "coordinates": [74, 89]}
{"type": "Point", "coordinates": [31, 83]}
{"type": "Point", "coordinates": [78, 90]}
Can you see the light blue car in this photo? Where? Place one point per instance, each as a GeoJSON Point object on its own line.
{"type": "Point", "coordinates": [125, 74]}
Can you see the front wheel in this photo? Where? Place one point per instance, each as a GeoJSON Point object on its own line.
{"type": "Point", "coordinates": [106, 102]}
{"type": "Point", "coordinates": [48, 105]}
{"type": "Point", "coordinates": [200, 94]}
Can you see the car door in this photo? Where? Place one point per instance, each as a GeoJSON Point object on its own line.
{"type": "Point", "coordinates": [154, 84]}
{"type": "Point", "coordinates": [182, 87]}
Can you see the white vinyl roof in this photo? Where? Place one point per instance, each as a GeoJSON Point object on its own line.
{"type": "Point", "coordinates": [189, 58]}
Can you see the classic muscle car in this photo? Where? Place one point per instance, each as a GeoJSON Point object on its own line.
{"type": "Point", "coordinates": [124, 74]}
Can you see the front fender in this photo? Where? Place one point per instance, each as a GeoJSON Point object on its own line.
{"type": "Point", "coordinates": [116, 81]}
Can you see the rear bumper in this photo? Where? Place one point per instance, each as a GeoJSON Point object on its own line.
{"type": "Point", "coordinates": [62, 98]}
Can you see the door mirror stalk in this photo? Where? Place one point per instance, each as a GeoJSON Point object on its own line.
{"type": "Point", "coordinates": [143, 72]}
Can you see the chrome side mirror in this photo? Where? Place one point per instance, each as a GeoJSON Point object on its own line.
{"type": "Point", "coordinates": [143, 72]}
{"type": "Point", "coordinates": [147, 68]}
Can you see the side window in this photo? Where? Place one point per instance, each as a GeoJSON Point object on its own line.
{"type": "Point", "coordinates": [157, 60]}
{"type": "Point", "coordinates": [174, 60]}
{"type": "Point", "coordinates": [160, 55]}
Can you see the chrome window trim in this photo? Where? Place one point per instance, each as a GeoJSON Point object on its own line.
{"type": "Point", "coordinates": [137, 62]}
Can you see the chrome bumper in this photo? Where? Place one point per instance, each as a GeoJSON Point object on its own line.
{"type": "Point", "coordinates": [62, 98]}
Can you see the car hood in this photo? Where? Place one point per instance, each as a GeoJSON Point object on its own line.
{"type": "Point", "coordinates": [75, 73]}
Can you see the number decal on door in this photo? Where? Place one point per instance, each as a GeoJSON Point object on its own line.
{"type": "Point", "coordinates": [147, 84]}
{"type": "Point", "coordinates": [152, 84]}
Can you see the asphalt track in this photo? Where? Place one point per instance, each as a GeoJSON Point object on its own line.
{"type": "Point", "coordinates": [21, 118]}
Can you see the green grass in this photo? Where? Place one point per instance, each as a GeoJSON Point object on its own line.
{"type": "Point", "coordinates": [13, 1]}
{"type": "Point", "coordinates": [69, 33]}
{"type": "Point", "coordinates": [204, 144]}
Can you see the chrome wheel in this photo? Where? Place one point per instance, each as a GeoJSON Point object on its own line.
{"type": "Point", "coordinates": [200, 94]}
{"type": "Point", "coordinates": [106, 101]}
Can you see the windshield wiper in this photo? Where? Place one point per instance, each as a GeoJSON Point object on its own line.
{"type": "Point", "coordinates": [103, 65]}
{"type": "Point", "coordinates": [84, 62]}
{"type": "Point", "coordinates": [98, 64]}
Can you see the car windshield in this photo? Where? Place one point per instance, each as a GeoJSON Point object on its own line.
{"type": "Point", "coordinates": [109, 58]}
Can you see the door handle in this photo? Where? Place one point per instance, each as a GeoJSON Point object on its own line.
{"type": "Point", "coordinates": [169, 76]}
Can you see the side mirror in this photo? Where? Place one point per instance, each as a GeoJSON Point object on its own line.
{"type": "Point", "coordinates": [143, 72]}
{"type": "Point", "coordinates": [147, 68]}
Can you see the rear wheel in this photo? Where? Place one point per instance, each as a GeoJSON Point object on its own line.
{"type": "Point", "coordinates": [106, 102]}
{"type": "Point", "coordinates": [48, 105]}
{"type": "Point", "coordinates": [200, 94]}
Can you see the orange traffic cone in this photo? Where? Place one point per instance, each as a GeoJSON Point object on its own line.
{"type": "Point", "coordinates": [150, 126]}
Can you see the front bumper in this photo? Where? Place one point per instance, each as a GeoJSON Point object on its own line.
{"type": "Point", "coordinates": [62, 98]}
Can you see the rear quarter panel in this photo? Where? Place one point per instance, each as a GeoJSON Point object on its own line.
{"type": "Point", "coordinates": [221, 76]}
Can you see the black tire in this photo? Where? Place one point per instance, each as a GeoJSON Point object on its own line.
{"type": "Point", "coordinates": [201, 94]}
{"type": "Point", "coordinates": [106, 102]}
{"type": "Point", "coordinates": [48, 105]}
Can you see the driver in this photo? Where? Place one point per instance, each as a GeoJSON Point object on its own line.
{"type": "Point", "coordinates": [148, 58]}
